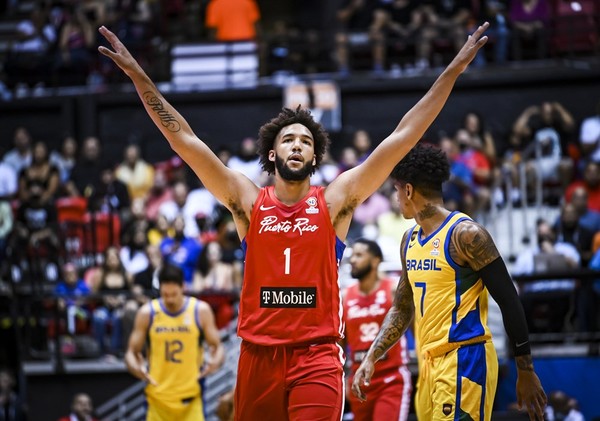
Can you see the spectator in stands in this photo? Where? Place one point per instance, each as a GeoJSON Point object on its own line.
{"type": "Point", "coordinates": [20, 156]}
{"type": "Point", "coordinates": [392, 224]}
{"type": "Point", "coordinates": [396, 26]}
{"type": "Point", "coordinates": [111, 281]}
{"type": "Point", "coordinates": [199, 210]}
{"type": "Point", "coordinates": [376, 204]}
{"type": "Point", "coordinates": [110, 195]}
{"type": "Point", "coordinates": [354, 29]}
{"type": "Point", "coordinates": [348, 159]}
{"type": "Point", "coordinates": [132, 20]}
{"type": "Point", "coordinates": [228, 239]}
{"type": "Point", "coordinates": [529, 20]}
{"type": "Point", "coordinates": [186, 204]}
{"type": "Point", "coordinates": [589, 137]}
{"type": "Point", "coordinates": [460, 191]}
{"type": "Point", "coordinates": [64, 160]}
{"type": "Point", "coordinates": [8, 181]}
{"type": "Point", "coordinates": [34, 237]}
{"type": "Point", "coordinates": [6, 226]}
{"type": "Point", "coordinates": [217, 282]}
{"type": "Point", "coordinates": [133, 253]}
{"type": "Point", "coordinates": [95, 11]}
{"type": "Point", "coordinates": [12, 407]}
{"type": "Point", "coordinates": [587, 218]}
{"type": "Point", "coordinates": [551, 298]}
{"type": "Point", "coordinates": [542, 137]}
{"type": "Point", "coordinates": [82, 409]}
{"type": "Point", "coordinates": [473, 156]}
{"type": "Point", "coordinates": [145, 279]}
{"type": "Point", "coordinates": [568, 229]}
{"type": "Point", "coordinates": [136, 173]}
{"type": "Point", "coordinates": [474, 124]}
{"type": "Point", "coordinates": [361, 141]}
{"type": "Point", "coordinates": [171, 208]}
{"type": "Point", "coordinates": [588, 310]}
{"type": "Point", "coordinates": [327, 171]}
{"type": "Point", "coordinates": [562, 407]}
{"type": "Point", "coordinates": [443, 20]}
{"type": "Point", "coordinates": [247, 161]}
{"type": "Point", "coordinates": [136, 221]}
{"type": "Point", "coordinates": [159, 193]}
{"type": "Point", "coordinates": [29, 57]}
{"type": "Point", "coordinates": [159, 231]}
{"type": "Point", "coordinates": [71, 291]}
{"type": "Point", "coordinates": [41, 172]}
{"type": "Point", "coordinates": [591, 183]}
{"type": "Point", "coordinates": [73, 57]}
{"type": "Point", "coordinates": [86, 171]}
{"type": "Point", "coordinates": [496, 13]}
{"type": "Point", "coordinates": [214, 274]}
{"type": "Point", "coordinates": [233, 20]}
{"type": "Point", "coordinates": [181, 251]}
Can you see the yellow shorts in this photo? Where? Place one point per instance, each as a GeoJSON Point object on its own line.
{"type": "Point", "coordinates": [187, 411]}
{"type": "Point", "coordinates": [463, 380]}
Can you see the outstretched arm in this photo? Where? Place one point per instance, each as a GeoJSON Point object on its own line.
{"type": "Point", "coordinates": [472, 245]}
{"type": "Point", "coordinates": [233, 189]}
{"type": "Point", "coordinates": [376, 168]}
{"type": "Point", "coordinates": [396, 322]}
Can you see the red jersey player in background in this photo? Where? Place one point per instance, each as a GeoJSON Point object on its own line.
{"type": "Point", "coordinates": [290, 365]}
{"type": "Point", "coordinates": [365, 305]}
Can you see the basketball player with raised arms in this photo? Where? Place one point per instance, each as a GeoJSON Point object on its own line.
{"type": "Point", "coordinates": [290, 319]}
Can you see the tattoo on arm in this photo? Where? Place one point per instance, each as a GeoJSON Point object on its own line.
{"type": "Point", "coordinates": [167, 119]}
{"type": "Point", "coordinates": [474, 245]}
{"type": "Point", "coordinates": [396, 321]}
{"type": "Point", "coordinates": [400, 316]}
{"type": "Point", "coordinates": [524, 362]}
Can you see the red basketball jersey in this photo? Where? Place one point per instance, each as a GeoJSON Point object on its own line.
{"type": "Point", "coordinates": [291, 292]}
{"type": "Point", "coordinates": [364, 315]}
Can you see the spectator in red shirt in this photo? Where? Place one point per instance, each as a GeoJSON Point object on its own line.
{"type": "Point", "coordinates": [591, 183]}
{"type": "Point", "coordinates": [233, 20]}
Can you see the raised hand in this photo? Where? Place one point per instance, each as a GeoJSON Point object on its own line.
{"type": "Point", "coordinates": [121, 55]}
{"type": "Point", "coordinates": [470, 48]}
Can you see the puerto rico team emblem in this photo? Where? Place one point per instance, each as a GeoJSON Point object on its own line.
{"type": "Point", "coordinates": [312, 205]}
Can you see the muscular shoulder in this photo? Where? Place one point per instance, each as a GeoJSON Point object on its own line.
{"type": "Point", "coordinates": [472, 245]}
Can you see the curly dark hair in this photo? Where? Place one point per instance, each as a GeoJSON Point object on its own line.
{"type": "Point", "coordinates": [426, 167]}
{"type": "Point", "coordinates": [269, 131]}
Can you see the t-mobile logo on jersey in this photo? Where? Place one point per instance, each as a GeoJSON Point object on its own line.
{"type": "Point", "coordinates": [288, 297]}
{"type": "Point", "coordinates": [300, 225]}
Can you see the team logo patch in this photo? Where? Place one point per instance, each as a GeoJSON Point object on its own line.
{"type": "Point", "coordinates": [288, 297]}
{"type": "Point", "coordinates": [447, 409]}
{"type": "Point", "coordinates": [312, 205]}
{"type": "Point", "coordinates": [436, 247]}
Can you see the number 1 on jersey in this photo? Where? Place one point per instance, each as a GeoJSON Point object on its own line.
{"type": "Point", "coordinates": [287, 253]}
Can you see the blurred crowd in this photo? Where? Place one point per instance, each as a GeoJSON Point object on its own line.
{"type": "Point", "coordinates": [91, 233]}
{"type": "Point", "coordinates": [49, 43]}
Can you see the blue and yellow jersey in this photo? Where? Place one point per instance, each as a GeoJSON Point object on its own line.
{"type": "Point", "coordinates": [175, 353]}
{"type": "Point", "coordinates": [451, 303]}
